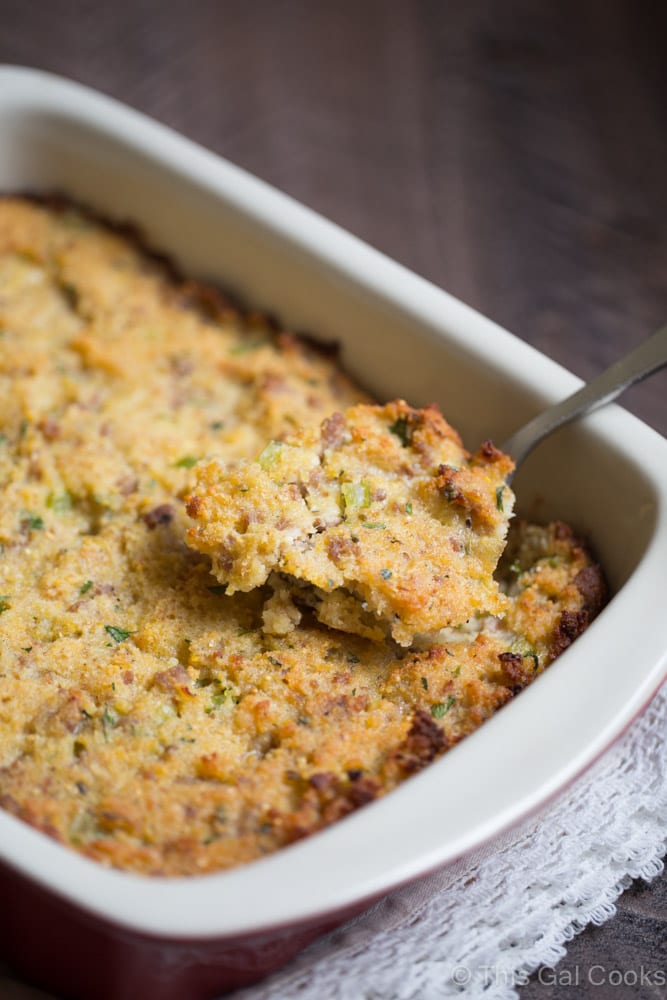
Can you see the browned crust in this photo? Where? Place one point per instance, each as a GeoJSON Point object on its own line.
{"type": "Point", "coordinates": [424, 742]}
{"type": "Point", "coordinates": [211, 300]}
{"type": "Point", "coordinates": [515, 674]}
{"type": "Point", "coordinates": [592, 586]}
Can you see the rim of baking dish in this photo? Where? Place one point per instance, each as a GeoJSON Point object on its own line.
{"type": "Point", "coordinates": [430, 819]}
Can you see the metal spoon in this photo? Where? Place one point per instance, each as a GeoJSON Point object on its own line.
{"type": "Point", "coordinates": [643, 361]}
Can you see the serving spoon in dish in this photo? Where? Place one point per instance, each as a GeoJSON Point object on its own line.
{"type": "Point", "coordinates": [646, 359]}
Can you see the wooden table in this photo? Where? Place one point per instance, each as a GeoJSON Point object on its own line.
{"type": "Point", "coordinates": [515, 153]}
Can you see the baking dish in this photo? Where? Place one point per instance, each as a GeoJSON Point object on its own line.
{"type": "Point", "coordinates": [104, 933]}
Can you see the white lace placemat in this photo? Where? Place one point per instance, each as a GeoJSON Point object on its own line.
{"type": "Point", "coordinates": [481, 926]}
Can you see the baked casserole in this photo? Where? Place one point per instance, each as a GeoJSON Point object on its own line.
{"type": "Point", "coordinates": [152, 716]}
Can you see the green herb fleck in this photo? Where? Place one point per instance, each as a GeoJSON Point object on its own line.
{"type": "Point", "coordinates": [216, 425]}
{"type": "Point", "coordinates": [3, 438]}
{"type": "Point", "coordinates": [408, 507]}
{"type": "Point", "coordinates": [23, 427]}
{"type": "Point", "coordinates": [34, 521]}
{"type": "Point", "coordinates": [110, 718]}
{"type": "Point", "coordinates": [516, 568]}
{"type": "Point", "coordinates": [401, 428]}
{"type": "Point", "coordinates": [186, 462]}
{"type": "Point", "coordinates": [499, 497]}
{"type": "Point", "coordinates": [425, 683]}
{"type": "Point", "coordinates": [270, 454]}
{"type": "Point", "coordinates": [354, 692]}
{"type": "Point", "coordinates": [85, 587]}
{"type": "Point", "coordinates": [355, 496]}
{"type": "Point", "coordinates": [439, 709]}
{"type": "Point", "coordinates": [385, 574]}
{"type": "Point", "coordinates": [27, 649]}
{"type": "Point", "coordinates": [224, 697]}
{"type": "Point", "coordinates": [4, 602]}
{"type": "Point", "coordinates": [117, 633]}
{"type": "Point", "coordinates": [353, 659]}
{"type": "Point", "coordinates": [374, 525]}
{"type": "Point", "coordinates": [535, 658]}
{"type": "Point", "coordinates": [275, 662]}
{"type": "Point", "coordinates": [59, 502]}
{"type": "Point", "coordinates": [249, 345]}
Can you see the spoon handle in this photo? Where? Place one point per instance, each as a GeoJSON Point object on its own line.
{"type": "Point", "coordinates": [649, 357]}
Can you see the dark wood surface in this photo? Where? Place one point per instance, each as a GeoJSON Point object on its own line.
{"type": "Point", "coordinates": [513, 152]}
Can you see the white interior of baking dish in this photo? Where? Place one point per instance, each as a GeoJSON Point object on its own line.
{"type": "Point", "coordinates": [400, 336]}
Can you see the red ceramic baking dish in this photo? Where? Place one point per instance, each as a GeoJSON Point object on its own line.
{"type": "Point", "coordinates": [83, 930]}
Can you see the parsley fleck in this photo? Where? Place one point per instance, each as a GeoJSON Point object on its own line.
{"type": "Point", "coordinates": [117, 633]}
{"type": "Point", "coordinates": [374, 525]}
{"type": "Point", "coordinates": [385, 574]}
{"type": "Point", "coordinates": [275, 662]}
{"type": "Point", "coordinates": [26, 649]}
{"type": "Point", "coordinates": [408, 507]}
{"type": "Point", "coordinates": [110, 719]}
{"type": "Point", "coordinates": [401, 428]}
{"type": "Point", "coordinates": [249, 345]}
{"type": "Point", "coordinates": [186, 462]}
{"type": "Point", "coordinates": [4, 605]}
{"type": "Point", "coordinates": [216, 425]}
{"type": "Point", "coordinates": [499, 497]}
{"type": "Point", "coordinates": [34, 521]}
{"type": "Point", "coordinates": [439, 709]}
{"type": "Point", "coordinates": [85, 587]}
{"type": "Point", "coordinates": [425, 683]}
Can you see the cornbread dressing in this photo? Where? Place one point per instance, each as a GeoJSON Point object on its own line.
{"type": "Point", "coordinates": [148, 719]}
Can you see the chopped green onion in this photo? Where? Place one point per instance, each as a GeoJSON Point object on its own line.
{"type": "Point", "coordinates": [60, 503]}
{"type": "Point", "coordinates": [355, 496]}
{"type": "Point", "coordinates": [499, 497]}
{"type": "Point", "coordinates": [85, 587]}
{"type": "Point", "coordinates": [270, 454]}
{"type": "Point", "coordinates": [186, 462]}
